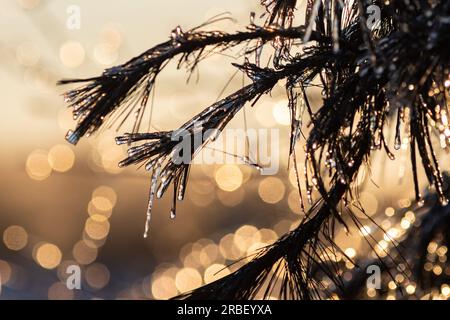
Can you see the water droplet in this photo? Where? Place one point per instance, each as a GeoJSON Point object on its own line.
{"type": "Point", "coordinates": [397, 143]}
{"type": "Point", "coordinates": [351, 163]}
{"type": "Point", "coordinates": [72, 136]}
{"type": "Point", "coordinates": [252, 17]}
{"type": "Point", "coordinates": [153, 186]}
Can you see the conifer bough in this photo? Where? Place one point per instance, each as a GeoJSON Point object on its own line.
{"type": "Point", "coordinates": [394, 70]}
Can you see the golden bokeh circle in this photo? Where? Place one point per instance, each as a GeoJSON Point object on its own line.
{"type": "Point", "coordinates": [48, 255]}
{"type": "Point", "coordinates": [37, 166]}
{"type": "Point", "coordinates": [15, 237]}
{"type": "Point", "coordinates": [72, 54]}
{"type": "Point", "coordinates": [61, 158]}
{"type": "Point", "coordinates": [96, 229]}
{"type": "Point", "coordinates": [229, 177]}
{"type": "Point", "coordinates": [105, 192]}
{"type": "Point", "coordinates": [271, 190]}
{"type": "Point", "coordinates": [163, 287]}
{"type": "Point", "coordinates": [187, 279]}
{"type": "Point", "coordinates": [215, 272]}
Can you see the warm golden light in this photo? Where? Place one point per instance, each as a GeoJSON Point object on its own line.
{"type": "Point", "coordinates": [228, 248]}
{"type": "Point", "coordinates": [229, 177]}
{"type": "Point", "coordinates": [188, 279]}
{"type": "Point", "coordinates": [48, 255]}
{"type": "Point", "coordinates": [281, 113]}
{"type": "Point", "coordinates": [96, 229]}
{"type": "Point", "coordinates": [72, 54]}
{"type": "Point", "coordinates": [410, 289]}
{"type": "Point", "coordinates": [15, 238]}
{"type": "Point", "coordinates": [245, 236]}
{"type": "Point", "coordinates": [271, 190]}
{"type": "Point", "coordinates": [389, 211]}
{"type": "Point", "coordinates": [215, 271]}
{"type": "Point", "coordinates": [105, 192]}
{"type": "Point", "coordinates": [163, 287]}
{"type": "Point", "coordinates": [209, 254]}
{"type": "Point", "coordinates": [61, 158]}
{"type": "Point", "coordinates": [102, 203]}
{"type": "Point", "coordinates": [37, 166]}
{"type": "Point", "coordinates": [350, 252]}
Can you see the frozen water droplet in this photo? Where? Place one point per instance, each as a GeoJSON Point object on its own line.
{"type": "Point", "coordinates": [154, 184]}
{"type": "Point", "coordinates": [252, 17]}
{"type": "Point", "coordinates": [421, 202]}
{"type": "Point", "coordinates": [397, 143]}
{"type": "Point", "coordinates": [72, 136]}
{"type": "Point", "coordinates": [351, 163]}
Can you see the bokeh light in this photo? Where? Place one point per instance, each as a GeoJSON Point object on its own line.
{"type": "Point", "coordinates": [61, 158]}
{"type": "Point", "coordinates": [229, 177]}
{"type": "Point", "coordinates": [187, 279]}
{"type": "Point", "coordinates": [72, 54]}
{"type": "Point", "coordinates": [271, 190]}
{"type": "Point", "coordinates": [163, 287]}
{"type": "Point", "coordinates": [15, 237]}
{"type": "Point", "coordinates": [281, 113]}
{"type": "Point", "coordinates": [48, 255]}
{"type": "Point", "coordinates": [97, 229]}
{"type": "Point", "coordinates": [215, 272]}
{"type": "Point", "coordinates": [97, 275]}
{"type": "Point", "coordinates": [37, 166]}
{"type": "Point", "coordinates": [83, 253]}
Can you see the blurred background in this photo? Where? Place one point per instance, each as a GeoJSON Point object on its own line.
{"type": "Point", "coordinates": [61, 205]}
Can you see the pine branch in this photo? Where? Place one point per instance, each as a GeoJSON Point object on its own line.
{"type": "Point", "coordinates": [103, 95]}
{"type": "Point", "coordinates": [367, 76]}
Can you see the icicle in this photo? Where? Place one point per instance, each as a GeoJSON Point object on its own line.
{"type": "Point", "coordinates": [398, 139]}
{"type": "Point", "coordinates": [309, 194]}
{"type": "Point", "coordinates": [313, 11]}
{"type": "Point", "coordinates": [297, 177]}
{"type": "Point", "coordinates": [73, 136]}
{"type": "Point", "coordinates": [153, 186]}
{"type": "Point", "coordinates": [252, 18]}
{"type": "Point", "coordinates": [183, 182]}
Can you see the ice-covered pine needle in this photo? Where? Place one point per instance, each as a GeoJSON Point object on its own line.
{"type": "Point", "coordinates": [396, 70]}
